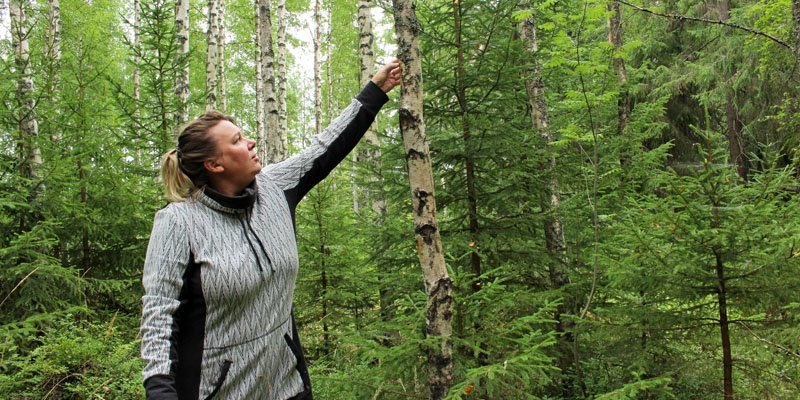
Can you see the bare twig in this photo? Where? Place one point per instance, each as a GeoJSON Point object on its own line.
{"type": "Point", "coordinates": [18, 285]}
{"type": "Point", "coordinates": [710, 21]}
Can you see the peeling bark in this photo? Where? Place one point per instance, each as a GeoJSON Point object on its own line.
{"type": "Point", "coordinates": [438, 285]}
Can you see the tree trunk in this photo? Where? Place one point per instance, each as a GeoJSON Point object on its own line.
{"type": "Point", "coordinates": [54, 64]}
{"type": "Point", "coordinates": [283, 121]}
{"type": "Point", "coordinates": [30, 156]}
{"type": "Point", "coordinates": [137, 11]}
{"type": "Point", "coordinates": [182, 75]}
{"type": "Point", "coordinates": [212, 58]}
{"type": "Point", "coordinates": [736, 145]}
{"type": "Point", "coordinates": [796, 19]}
{"type": "Point", "coordinates": [438, 285]}
{"type": "Point", "coordinates": [722, 301]}
{"type": "Point", "coordinates": [371, 152]}
{"type": "Point", "coordinates": [274, 151]}
{"type": "Point", "coordinates": [261, 135]}
{"type": "Point", "coordinates": [223, 99]}
{"type": "Point", "coordinates": [553, 230]}
{"type": "Point", "coordinates": [469, 162]}
{"type": "Point", "coordinates": [615, 39]}
{"type": "Point", "coordinates": [317, 66]}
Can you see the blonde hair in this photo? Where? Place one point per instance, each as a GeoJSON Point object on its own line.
{"type": "Point", "coordinates": [182, 169]}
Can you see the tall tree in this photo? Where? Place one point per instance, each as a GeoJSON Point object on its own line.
{"type": "Point", "coordinates": [53, 55]}
{"type": "Point", "coordinates": [223, 98]}
{"type": "Point", "coordinates": [261, 134]}
{"type": "Point", "coordinates": [274, 146]}
{"type": "Point", "coordinates": [553, 227]}
{"type": "Point", "coordinates": [281, 75]}
{"type": "Point", "coordinates": [137, 11]}
{"type": "Point", "coordinates": [29, 153]}
{"type": "Point", "coordinates": [182, 77]}
{"type": "Point", "coordinates": [212, 56]}
{"type": "Point", "coordinates": [438, 285]}
{"type": "Point", "coordinates": [615, 39]}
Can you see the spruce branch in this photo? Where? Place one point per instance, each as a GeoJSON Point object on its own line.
{"type": "Point", "coordinates": [710, 21]}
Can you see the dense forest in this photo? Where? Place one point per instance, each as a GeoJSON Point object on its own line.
{"type": "Point", "coordinates": [616, 208]}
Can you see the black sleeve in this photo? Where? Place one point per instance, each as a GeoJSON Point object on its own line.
{"type": "Point", "coordinates": [298, 174]}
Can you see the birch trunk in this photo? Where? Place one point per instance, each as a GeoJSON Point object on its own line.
{"type": "Point", "coordinates": [211, 56]}
{"type": "Point", "coordinates": [182, 77]}
{"type": "Point", "coordinates": [553, 229]}
{"type": "Point", "coordinates": [54, 73]}
{"type": "Point", "coordinates": [438, 285]}
{"type": "Point", "coordinates": [371, 153]}
{"type": "Point", "coordinates": [274, 151]}
{"type": "Point", "coordinates": [317, 67]}
{"type": "Point", "coordinates": [30, 156]}
{"type": "Point", "coordinates": [261, 136]}
{"type": "Point", "coordinates": [281, 75]}
{"type": "Point", "coordinates": [223, 99]}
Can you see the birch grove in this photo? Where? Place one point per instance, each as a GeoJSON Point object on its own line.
{"type": "Point", "coordinates": [29, 153]}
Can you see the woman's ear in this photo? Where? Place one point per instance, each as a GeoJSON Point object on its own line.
{"type": "Point", "coordinates": [213, 166]}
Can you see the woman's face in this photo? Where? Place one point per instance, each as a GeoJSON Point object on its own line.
{"type": "Point", "coordinates": [237, 153]}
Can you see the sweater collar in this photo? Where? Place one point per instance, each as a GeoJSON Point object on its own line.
{"type": "Point", "coordinates": [230, 204]}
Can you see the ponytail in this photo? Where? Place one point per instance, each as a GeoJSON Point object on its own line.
{"type": "Point", "coordinates": [182, 169]}
{"type": "Point", "coordinates": [177, 186]}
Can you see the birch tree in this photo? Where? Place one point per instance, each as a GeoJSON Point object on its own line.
{"type": "Point", "coordinates": [371, 153]}
{"type": "Point", "coordinates": [182, 75]}
{"type": "Point", "coordinates": [261, 135]}
{"type": "Point", "coordinates": [212, 58]}
{"type": "Point", "coordinates": [281, 76]}
{"type": "Point", "coordinates": [274, 146]}
{"type": "Point", "coordinates": [29, 153]}
{"type": "Point", "coordinates": [53, 53]}
{"type": "Point", "coordinates": [438, 285]}
{"type": "Point", "coordinates": [223, 98]}
{"type": "Point", "coordinates": [553, 229]}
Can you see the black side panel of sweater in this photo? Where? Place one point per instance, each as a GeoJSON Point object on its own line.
{"type": "Point", "coordinates": [186, 352]}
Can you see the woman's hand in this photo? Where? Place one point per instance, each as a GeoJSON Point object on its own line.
{"type": "Point", "coordinates": [388, 76]}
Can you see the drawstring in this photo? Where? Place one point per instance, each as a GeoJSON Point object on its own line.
{"type": "Point", "coordinates": [269, 260]}
{"type": "Point", "coordinates": [255, 253]}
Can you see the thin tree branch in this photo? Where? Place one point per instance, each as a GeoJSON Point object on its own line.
{"type": "Point", "coordinates": [710, 21]}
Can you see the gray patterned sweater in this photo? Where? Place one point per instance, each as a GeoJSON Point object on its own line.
{"type": "Point", "coordinates": [220, 273]}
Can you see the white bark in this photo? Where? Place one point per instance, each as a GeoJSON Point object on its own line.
{"type": "Point", "coordinates": [261, 135]}
{"type": "Point", "coordinates": [211, 56]}
{"type": "Point", "coordinates": [30, 156]}
{"type": "Point", "coordinates": [54, 56]}
{"type": "Point", "coordinates": [317, 66]}
{"type": "Point", "coordinates": [223, 99]}
{"type": "Point", "coordinates": [371, 151]}
{"type": "Point", "coordinates": [283, 121]}
{"type": "Point", "coordinates": [274, 151]}
{"type": "Point", "coordinates": [182, 77]}
{"type": "Point", "coordinates": [438, 285]}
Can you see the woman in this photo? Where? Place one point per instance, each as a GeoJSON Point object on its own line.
{"type": "Point", "coordinates": [222, 260]}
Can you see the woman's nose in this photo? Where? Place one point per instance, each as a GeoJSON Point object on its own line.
{"type": "Point", "coordinates": [251, 143]}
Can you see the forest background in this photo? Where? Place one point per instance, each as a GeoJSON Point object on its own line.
{"type": "Point", "coordinates": [616, 187]}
